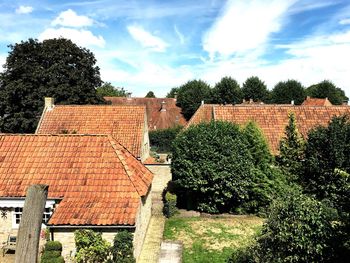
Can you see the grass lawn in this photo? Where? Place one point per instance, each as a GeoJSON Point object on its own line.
{"type": "Point", "coordinates": [211, 239]}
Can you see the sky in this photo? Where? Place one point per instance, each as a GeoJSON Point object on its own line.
{"type": "Point", "coordinates": [156, 45]}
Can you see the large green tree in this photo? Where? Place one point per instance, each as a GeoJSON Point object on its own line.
{"type": "Point", "coordinates": [227, 91]}
{"type": "Point", "coordinates": [286, 91]}
{"type": "Point", "coordinates": [255, 89]}
{"type": "Point", "coordinates": [150, 94]}
{"type": "Point", "coordinates": [190, 96]}
{"type": "Point", "coordinates": [326, 89]}
{"type": "Point", "coordinates": [52, 68]}
{"type": "Point", "coordinates": [108, 90]}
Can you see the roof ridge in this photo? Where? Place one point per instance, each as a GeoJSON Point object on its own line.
{"type": "Point", "coordinates": [113, 143]}
{"type": "Point", "coordinates": [54, 134]}
{"type": "Point", "coordinates": [99, 105]}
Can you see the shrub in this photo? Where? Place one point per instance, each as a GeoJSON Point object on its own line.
{"type": "Point", "coordinates": [162, 139]}
{"type": "Point", "coordinates": [53, 246]}
{"type": "Point", "coordinates": [170, 208]}
{"type": "Point", "coordinates": [52, 253]}
{"type": "Point", "coordinates": [123, 247]}
{"type": "Point", "coordinates": [91, 247]}
{"type": "Point", "coordinates": [211, 166]}
{"type": "Point", "coordinates": [298, 229]}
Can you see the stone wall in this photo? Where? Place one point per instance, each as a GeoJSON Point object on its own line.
{"type": "Point", "coordinates": [142, 222]}
{"type": "Point", "coordinates": [145, 146]}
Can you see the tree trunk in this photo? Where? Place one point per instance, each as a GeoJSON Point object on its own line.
{"type": "Point", "coordinates": [30, 225]}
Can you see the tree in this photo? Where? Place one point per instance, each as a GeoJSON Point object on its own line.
{"type": "Point", "coordinates": [211, 166]}
{"type": "Point", "coordinates": [257, 144]}
{"type": "Point", "coordinates": [108, 90]}
{"type": "Point", "coordinates": [122, 250]}
{"type": "Point", "coordinates": [292, 147]}
{"type": "Point", "coordinates": [326, 89]}
{"type": "Point", "coordinates": [172, 93]}
{"type": "Point", "coordinates": [52, 68]}
{"type": "Point", "coordinates": [227, 91]}
{"type": "Point", "coordinates": [254, 88]}
{"type": "Point", "coordinates": [190, 96]}
{"type": "Point", "coordinates": [286, 91]}
{"type": "Point", "coordinates": [150, 94]}
{"type": "Point", "coordinates": [298, 229]}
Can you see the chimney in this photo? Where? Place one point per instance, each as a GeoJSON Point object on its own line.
{"type": "Point", "coordinates": [251, 101]}
{"type": "Point", "coordinates": [49, 103]}
{"type": "Point", "coordinates": [128, 95]}
{"type": "Point", "coordinates": [162, 106]}
{"type": "Point", "coordinates": [345, 102]}
{"type": "Point", "coordinates": [175, 95]}
{"type": "Point", "coordinates": [202, 103]}
{"type": "Point", "coordinates": [292, 102]}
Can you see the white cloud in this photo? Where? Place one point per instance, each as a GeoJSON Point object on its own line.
{"type": "Point", "coordinates": [71, 19]}
{"type": "Point", "coordinates": [79, 36]}
{"type": "Point", "coordinates": [146, 39]}
{"type": "Point", "coordinates": [24, 9]}
{"type": "Point", "coordinates": [345, 21]}
{"type": "Point", "coordinates": [244, 26]}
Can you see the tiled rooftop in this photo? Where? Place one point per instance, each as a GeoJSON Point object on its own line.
{"type": "Point", "coordinates": [272, 119]}
{"type": "Point", "coordinates": [99, 181]}
{"type": "Point", "coordinates": [124, 123]}
{"type": "Point", "coordinates": [170, 116]}
{"type": "Point", "coordinates": [316, 102]}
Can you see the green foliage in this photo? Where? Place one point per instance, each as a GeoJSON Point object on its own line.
{"type": "Point", "coordinates": [53, 246]}
{"type": "Point", "coordinates": [298, 229]}
{"type": "Point", "coordinates": [286, 91]}
{"type": "Point", "coordinates": [52, 253]}
{"type": "Point", "coordinates": [170, 208]}
{"type": "Point", "coordinates": [326, 158]}
{"type": "Point", "coordinates": [190, 96]}
{"type": "Point", "coordinates": [326, 89]}
{"type": "Point", "coordinates": [292, 147]}
{"type": "Point", "coordinates": [123, 247]}
{"type": "Point", "coordinates": [227, 91]}
{"type": "Point", "coordinates": [172, 93]}
{"type": "Point", "coordinates": [257, 144]}
{"type": "Point", "coordinates": [162, 139]}
{"type": "Point", "coordinates": [91, 247]}
{"type": "Point", "coordinates": [254, 88]}
{"type": "Point", "coordinates": [150, 94]}
{"type": "Point", "coordinates": [211, 166]}
{"type": "Point", "coordinates": [108, 90]}
{"type": "Point", "coordinates": [52, 68]}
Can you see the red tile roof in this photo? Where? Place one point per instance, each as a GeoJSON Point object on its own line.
{"type": "Point", "coordinates": [316, 102]}
{"type": "Point", "coordinates": [169, 117]}
{"type": "Point", "coordinates": [272, 119]}
{"type": "Point", "coordinates": [99, 181]}
{"type": "Point", "coordinates": [124, 123]}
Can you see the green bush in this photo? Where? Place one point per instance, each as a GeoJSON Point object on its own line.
{"type": "Point", "coordinates": [170, 208]}
{"type": "Point", "coordinates": [298, 229]}
{"type": "Point", "coordinates": [52, 253]}
{"type": "Point", "coordinates": [123, 247]}
{"type": "Point", "coordinates": [53, 246]}
{"type": "Point", "coordinates": [91, 247]}
{"type": "Point", "coordinates": [162, 139]}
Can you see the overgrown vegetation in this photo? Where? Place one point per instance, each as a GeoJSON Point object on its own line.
{"type": "Point", "coordinates": [123, 247]}
{"type": "Point", "coordinates": [170, 208]}
{"type": "Point", "coordinates": [218, 167]}
{"type": "Point", "coordinates": [52, 253]}
{"type": "Point", "coordinates": [161, 140]}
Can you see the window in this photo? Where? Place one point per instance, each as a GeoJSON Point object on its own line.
{"type": "Point", "coordinates": [17, 215]}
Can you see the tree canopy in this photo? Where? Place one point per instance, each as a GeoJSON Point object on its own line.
{"type": "Point", "coordinates": [108, 90]}
{"type": "Point", "coordinates": [286, 91]}
{"type": "Point", "coordinates": [326, 89]}
{"type": "Point", "coordinates": [150, 94]}
{"type": "Point", "coordinates": [52, 68]}
{"type": "Point", "coordinates": [190, 96]}
{"type": "Point", "coordinates": [227, 91]}
{"type": "Point", "coordinates": [255, 89]}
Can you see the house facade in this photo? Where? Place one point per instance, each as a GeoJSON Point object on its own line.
{"type": "Point", "coordinates": [94, 183]}
{"type": "Point", "coordinates": [126, 124]}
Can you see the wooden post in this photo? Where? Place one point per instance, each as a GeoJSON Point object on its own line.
{"type": "Point", "coordinates": [30, 226]}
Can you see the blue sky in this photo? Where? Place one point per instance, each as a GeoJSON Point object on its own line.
{"type": "Point", "coordinates": [144, 45]}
